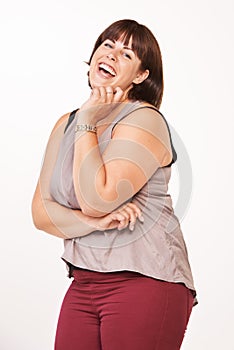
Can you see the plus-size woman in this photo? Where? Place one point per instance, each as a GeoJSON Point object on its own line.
{"type": "Point", "coordinates": [103, 189]}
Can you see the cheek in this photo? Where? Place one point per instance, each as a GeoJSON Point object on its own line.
{"type": "Point", "coordinates": [91, 69]}
{"type": "Point", "coordinates": [129, 76]}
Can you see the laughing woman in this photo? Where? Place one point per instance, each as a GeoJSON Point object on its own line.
{"type": "Point", "coordinates": [103, 189]}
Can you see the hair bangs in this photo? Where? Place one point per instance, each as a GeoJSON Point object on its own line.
{"type": "Point", "coordinates": [125, 32]}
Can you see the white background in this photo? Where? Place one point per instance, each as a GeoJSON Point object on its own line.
{"type": "Point", "coordinates": [43, 47]}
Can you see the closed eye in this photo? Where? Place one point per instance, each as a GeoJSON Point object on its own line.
{"type": "Point", "coordinates": [108, 44]}
{"type": "Point", "coordinates": [127, 55]}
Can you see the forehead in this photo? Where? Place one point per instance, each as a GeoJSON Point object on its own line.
{"type": "Point", "coordinates": [121, 39]}
{"type": "Point", "coordinates": [124, 37]}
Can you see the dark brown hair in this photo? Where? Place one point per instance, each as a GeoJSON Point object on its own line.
{"type": "Point", "coordinates": [146, 47]}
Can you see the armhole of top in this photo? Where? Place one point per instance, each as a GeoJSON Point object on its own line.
{"type": "Point", "coordinates": [70, 119]}
{"type": "Point", "coordinates": [174, 154]}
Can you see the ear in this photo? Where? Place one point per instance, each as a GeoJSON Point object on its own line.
{"type": "Point", "coordinates": [141, 76]}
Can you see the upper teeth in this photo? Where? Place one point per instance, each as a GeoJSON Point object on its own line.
{"type": "Point", "coordinates": [107, 68]}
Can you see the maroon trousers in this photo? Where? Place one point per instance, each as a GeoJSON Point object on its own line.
{"type": "Point", "coordinates": [122, 311]}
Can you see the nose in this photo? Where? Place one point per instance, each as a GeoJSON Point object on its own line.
{"type": "Point", "coordinates": [111, 56]}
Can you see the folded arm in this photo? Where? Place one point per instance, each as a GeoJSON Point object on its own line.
{"type": "Point", "coordinates": [47, 214]}
{"type": "Point", "coordinates": [55, 219]}
{"type": "Point", "coordinates": [140, 144]}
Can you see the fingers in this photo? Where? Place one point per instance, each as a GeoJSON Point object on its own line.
{"type": "Point", "coordinates": [107, 94]}
{"type": "Point", "coordinates": [137, 211]}
{"type": "Point", "coordinates": [131, 215]}
{"type": "Point", "coordinates": [118, 95]}
{"type": "Point", "coordinates": [123, 217]}
{"type": "Point", "coordinates": [123, 220]}
{"type": "Point", "coordinates": [95, 94]}
{"type": "Point", "coordinates": [127, 216]}
{"type": "Point", "coordinates": [102, 101]}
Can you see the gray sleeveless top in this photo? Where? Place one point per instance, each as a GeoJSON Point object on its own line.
{"type": "Point", "coordinates": [155, 248]}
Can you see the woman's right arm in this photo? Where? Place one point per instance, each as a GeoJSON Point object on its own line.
{"type": "Point", "coordinates": [55, 219]}
{"type": "Point", "coordinates": [48, 215]}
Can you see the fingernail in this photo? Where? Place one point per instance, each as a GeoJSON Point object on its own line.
{"type": "Point", "coordinates": [141, 218]}
{"type": "Point", "coordinates": [131, 227]}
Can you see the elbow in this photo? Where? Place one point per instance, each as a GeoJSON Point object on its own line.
{"type": "Point", "coordinates": [42, 221]}
{"type": "Point", "coordinates": [37, 217]}
{"type": "Point", "coordinates": [36, 220]}
{"type": "Point", "coordinates": [37, 223]}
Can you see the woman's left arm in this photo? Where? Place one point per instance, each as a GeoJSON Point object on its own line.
{"type": "Point", "coordinates": [140, 144]}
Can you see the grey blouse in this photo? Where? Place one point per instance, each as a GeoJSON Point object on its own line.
{"type": "Point", "coordinates": [155, 248]}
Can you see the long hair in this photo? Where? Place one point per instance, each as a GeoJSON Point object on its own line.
{"type": "Point", "coordinates": [146, 47]}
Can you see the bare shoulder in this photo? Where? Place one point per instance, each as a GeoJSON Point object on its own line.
{"type": "Point", "coordinates": [61, 122]}
{"type": "Point", "coordinates": [147, 118]}
{"type": "Point", "coordinates": [147, 126]}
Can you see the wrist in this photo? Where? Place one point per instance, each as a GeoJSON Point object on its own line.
{"type": "Point", "coordinates": [85, 127]}
{"type": "Point", "coordinates": [85, 118]}
{"type": "Point", "coordinates": [94, 223]}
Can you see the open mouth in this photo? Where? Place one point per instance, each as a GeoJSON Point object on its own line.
{"type": "Point", "coordinates": [108, 70]}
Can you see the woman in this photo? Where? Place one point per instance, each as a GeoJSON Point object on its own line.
{"type": "Point", "coordinates": [103, 188]}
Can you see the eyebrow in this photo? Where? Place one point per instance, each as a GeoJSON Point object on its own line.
{"type": "Point", "coordinates": [128, 48]}
{"type": "Point", "coordinates": [125, 47]}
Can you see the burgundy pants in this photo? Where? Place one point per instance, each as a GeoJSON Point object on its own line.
{"type": "Point", "coordinates": [122, 311]}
